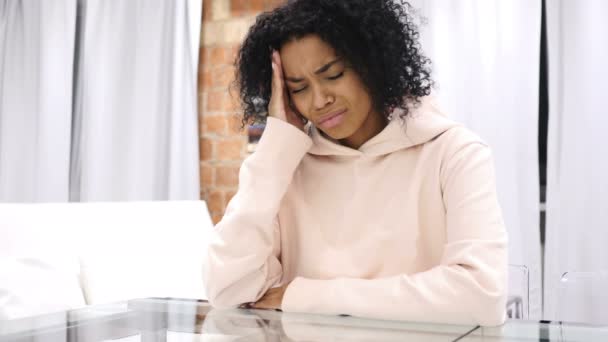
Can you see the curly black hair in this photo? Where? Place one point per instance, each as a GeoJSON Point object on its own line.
{"type": "Point", "coordinates": [377, 38]}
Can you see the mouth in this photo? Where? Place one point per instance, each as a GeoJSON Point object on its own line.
{"type": "Point", "coordinates": [332, 120]}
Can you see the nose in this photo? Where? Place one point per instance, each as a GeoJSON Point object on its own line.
{"type": "Point", "coordinates": [322, 97]}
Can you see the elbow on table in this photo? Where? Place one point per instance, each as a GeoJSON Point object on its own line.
{"type": "Point", "coordinates": [218, 294]}
{"type": "Point", "coordinates": [223, 302]}
{"type": "Point", "coordinates": [226, 294]}
{"type": "Point", "coordinates": [222, 296]}
{"type": "Point", "coordinates": [490, 309]}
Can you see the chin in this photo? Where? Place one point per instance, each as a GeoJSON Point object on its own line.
{"type": "Point", "coordinates": [337, 133]}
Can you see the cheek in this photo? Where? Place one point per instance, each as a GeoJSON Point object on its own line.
{"type": "Point", "coordinates": [358, 95]}
{"type": "Point", "coordinates": [301, 105]}
{"type": "Point", "coordinates": [365, 100]}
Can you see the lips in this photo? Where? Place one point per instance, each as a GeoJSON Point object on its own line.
{"type": "Point", "coordinates": [332, 119]}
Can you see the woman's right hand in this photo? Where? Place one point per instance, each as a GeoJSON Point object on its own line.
{"type": "Point", "coordinates": [279, 100]}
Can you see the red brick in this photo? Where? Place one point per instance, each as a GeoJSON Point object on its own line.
{"type": "Point", "coordinates": [272, 4]}
{"type": "Point", "coordinates": [222, 77]}
{"type": "Point", "coordinates": [200, 80]}
{"type": "Point", "coordinates": [203, 57]}
{"type": "Point", "coordinates": [234, 51]}
{"type": "Point", "coordinates": [256, 6]}
{"type": "Point", "coordinates": [228, 196]}
{"type": "Point", "coordinates": [227, 176]}
{"type": "Point", "coordinates": [215, 101]}
{"type": "Point", "coordinates": [230, 149]}
{"type": "Point", "coordinates": [231, 103]}
{"type": "Point", "coordinates": [201, 103]}
{"type": "Point", "coordinates": [205, 80]}
{"type": "Point", "coordinates": [214, 124]}
{"type": "Point", "coordinates": [215, 201]}
{"type": "Point", "coordinates": [207, 180]}
{"type": "Point", "coordinates": [206, 149]}
{"type": "Point", "coordinates": [207, 15]}
{"type": "Point", "coordinates": [216, 56]}
{"type": "Point", "coordinates": [238, 7]}
{"type": "Point", "coordinates": [235, 125]}
{"type": "Point", "coordinates": [216, 217]}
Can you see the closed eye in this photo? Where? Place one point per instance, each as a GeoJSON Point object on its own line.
{"type": "Point", "coordinates": [298, 90]}
{"type": "Point", "coordinates": [332, 78]}
{"type": "Point", "coordinates": [336, 77]}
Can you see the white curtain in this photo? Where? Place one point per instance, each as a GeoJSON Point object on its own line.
{"type": "Point", "coordinates": [36, 69]}
{"type": "Point", "coordinates": [577, 173]}
{"type": "Point", "coordinates": [485, 56]}
{"type": "Point", "coordinates": [128, 130]}
{"type": "Point", "coordinates": [136, 113]}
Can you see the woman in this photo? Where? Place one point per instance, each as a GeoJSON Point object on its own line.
{"type": "Point", "coordinates": [361, 199]}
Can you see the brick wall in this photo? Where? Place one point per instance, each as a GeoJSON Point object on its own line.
{"type": "Point", "coordinates": [223, 145]}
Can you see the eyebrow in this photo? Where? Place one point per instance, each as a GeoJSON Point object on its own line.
{"type": "Point", "coordinates": [319, 71]}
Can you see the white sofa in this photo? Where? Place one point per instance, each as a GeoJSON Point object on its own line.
{"type": "Point", "coordinates": [67, 255]}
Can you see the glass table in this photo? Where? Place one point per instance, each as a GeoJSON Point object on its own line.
{"type": "Point", "coordinates": [170, 319]}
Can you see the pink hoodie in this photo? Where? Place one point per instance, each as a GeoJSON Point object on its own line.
{"type": "Point", "coordinates": [408, 227]}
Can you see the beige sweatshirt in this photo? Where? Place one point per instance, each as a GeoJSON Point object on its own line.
{"type": "Point", "coordinates": [408, 227]}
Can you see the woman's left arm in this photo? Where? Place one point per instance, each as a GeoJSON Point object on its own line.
{"type": "Point", "coordinates": [468, 286]}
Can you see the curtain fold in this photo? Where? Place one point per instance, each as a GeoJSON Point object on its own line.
{"type": "Point", "coordinates": [137, 110]}
{"type": "Point", "coordinates": [577, 213]}
{"type": "Point", "coordinates": [98, 100]}
{"type": "Point", "coordinates": [36, 69]}
{"type": "Point", "coordinates": [485, 56]}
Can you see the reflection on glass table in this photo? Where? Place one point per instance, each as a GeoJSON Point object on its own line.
{"type": "Point", "coordinates": [167, 319]}
{"type": "Point", "coordinates": [263, 325]}
{"type": "Point", "coordinates": [518, 330]}
{"type": "Point", "coordinates": [164, 319]}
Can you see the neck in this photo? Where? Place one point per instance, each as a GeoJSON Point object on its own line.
{"type": "Point", "coordinates": [373, 124]}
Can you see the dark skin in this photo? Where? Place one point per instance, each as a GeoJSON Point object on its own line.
{"type": "Point", "coordinates": [272, 300]}
{"type": "Point", "coordinates": [308, 74]}
{"type": "Point", "coordinates": [321, 83]}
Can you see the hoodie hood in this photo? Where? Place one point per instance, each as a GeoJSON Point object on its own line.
{"type": "Point", "coordinates": [424, 123]}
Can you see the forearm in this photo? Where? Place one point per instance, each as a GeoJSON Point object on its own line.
{"type": "Point", "coordinates": [469, 287]}
{"type": "Point", "coordinates": [242, 260]}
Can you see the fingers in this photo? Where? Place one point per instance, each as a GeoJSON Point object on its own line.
{"type": "Point", "coordinates": [258, 305]}
{"type": "Point", "coordinates": [280, 105]}
{"type": "Point", "coordinates": [276, 84]}
{"type": "Point", "coordinates": [281, 80]}
{"type": "Point", "coordinates": [262, 304]}
{"type": "Point", "coordinates": [277, 101]}
{"type": "Point", "coordinates": [264, 307]}
{"type": "Point", "coordinates": [270, 301]}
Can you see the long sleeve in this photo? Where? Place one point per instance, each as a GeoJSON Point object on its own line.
{"type": "Point", "coordinates": [243, 255]}
{"type": "Point", "coordinates": [469, 284]}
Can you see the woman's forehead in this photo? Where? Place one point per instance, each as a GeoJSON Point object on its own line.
{"type": "Point", "coordinates": [306, 54]}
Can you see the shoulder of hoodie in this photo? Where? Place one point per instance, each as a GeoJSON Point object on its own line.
{"type": "Point", "coordinates": [457, 137]}
{"type": "Point", "coordinates": [461, 148]}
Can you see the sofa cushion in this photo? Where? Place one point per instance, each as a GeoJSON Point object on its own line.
{"type": "Point", "coordinates": [143, 249]}
{"type": "Point", "coordinates": [38, 260]}
{"type": "Point", "coordinates": [115, 250]}
{"type": "Point", "coordinates": [30, 286]}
